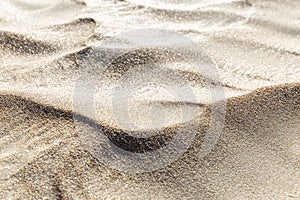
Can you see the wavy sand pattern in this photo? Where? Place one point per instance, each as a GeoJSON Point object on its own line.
{"type": "Point", "coordinates": [44, 47]}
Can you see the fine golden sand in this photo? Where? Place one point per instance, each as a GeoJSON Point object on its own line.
{"type": "Point", "coordinates": [46, 46]}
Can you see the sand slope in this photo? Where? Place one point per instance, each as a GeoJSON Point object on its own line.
{"type": "Point", "coordinates": [257, 155]}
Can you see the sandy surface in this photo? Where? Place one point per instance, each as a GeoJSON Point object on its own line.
{"type": "Point", "coordinates": [46, 47]}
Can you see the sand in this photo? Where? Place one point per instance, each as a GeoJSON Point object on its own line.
{"type": "Point", "coordinates": [47, 46]}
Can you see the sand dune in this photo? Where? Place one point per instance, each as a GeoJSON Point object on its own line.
{"type": "Point", "coordinates": [41, 155]}
{"type": "Point", "coordinates": [46, 46]}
